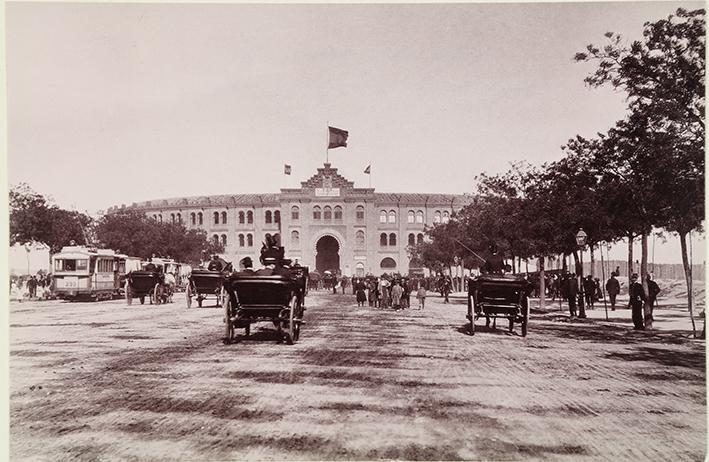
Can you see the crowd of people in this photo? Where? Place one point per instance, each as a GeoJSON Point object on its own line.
{"type": "Point", "coordinates": [33, 287]}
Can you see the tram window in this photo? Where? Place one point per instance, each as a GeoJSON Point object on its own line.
{"type": "Point", "coordinates": [82, 265]}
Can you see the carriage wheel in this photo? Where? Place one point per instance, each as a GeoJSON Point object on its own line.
{"type": "Point", "coordinates": [229, 329]}
{"type": "Point", "coordinates": [157, 294]}
{"type": "Point", "coordinates": [291, 332]}
{"type": "Point", "coordinates": [188, 293]}
{"type": "Point", "coordinates": [142, 299]}
{"type": "Point", "coordinates": [129, 295]}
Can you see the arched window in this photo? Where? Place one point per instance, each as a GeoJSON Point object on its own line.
{"type": "Point", "coordinates": [242, 218]}
{"type": "Point", "coordinates": [419, 216]}
{"type": "Point", "coordinates": [250, 240]}
{"type": "Point", "coordinates": [216, 218]}
{"type": "Point", "coordinates": [241, 240]}
{"type": "Point", "coordinates": [250, 217]}
{"type": "Point", "coordinates": [360, 212]}
{"type": "Point", "coordinates": [295, 213]}
{"type": "Point", "coordinates": [193, 218]}
{"type": "Point", "coordinates": [437, 217]}
{"type": "Point", "coordinates": [172, 218]}
{"type": "Point", "coordinates": [316, 212]}
{"type": "Point", "coordinates": [410, 217]}
{"type": "Point", "coordinates": [224, 240]}
{"type": "Point", "coordinates": [223, 218]}
{"type": "Point", "coordinates": [446, 217]}
{"type": "Point", "coordinates": [277, 216]}
{"type": "Point", "coordinates": [215, 239]}
{"type": "Point", "coordinates": [392, 216]}
{"type": "Point", "coordinates": [295, 238]}
{"type": "Point", "coordinates": [200, 218]}
{"type": "Point", "coordinates": [179, 218]}
{"type": "Point", "coordinates": [268, 216]}
{"type": "Point", "coordinates": [338, 212]}
{"type": "Point", "coordinates": [160, 218]}
{"type": "Point", "coordinates": [392, 239]}
{"type": "Point", "coordinates": [359, 239]}
{"type": "Point", "coordinates": [419, 238]}
{"type": "Point", "coordinates": [383, 216]}
{"type": "Point", "coordinates": [388, 264]}
{"type": "Point", "coordinates": [412, 239]}
{"type": "Point", "coordinates": [327, 212]}
{"type": "Point", "coordinates": [383, 239]}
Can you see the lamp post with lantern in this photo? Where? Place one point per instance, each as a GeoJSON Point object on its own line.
{"type": "Point", "coordinates": [581, 242]}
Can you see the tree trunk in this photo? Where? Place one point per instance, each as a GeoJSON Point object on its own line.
{"type": "Point", "coordinates": [688, 278]}
{"type": "Point", "coordinates": [542, 297]}
{"type": "Point", "coordinates": [630, 257]}
{"type": "Point", "coordinates": [513, 264]}
{"type": "Point", "coordinates": [593, 261]}
{"type": "Point", "coordinates": [647, 311]}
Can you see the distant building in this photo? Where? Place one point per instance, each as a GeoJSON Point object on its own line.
{"type": "Point", "coordinates": [327, 223]}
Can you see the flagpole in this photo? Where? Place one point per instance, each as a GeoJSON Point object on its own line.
{"type": "Point", "coordinates": [327, 142]}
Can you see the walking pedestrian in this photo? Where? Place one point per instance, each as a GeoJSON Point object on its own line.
{"type": "Point", "coordinates": [360, 293]}
{"type": "Point", "coordinates": [613, 289]}
{"type": "Point", "coordinates": [589, 291]}
{"type": "Point", "coordinates": [637, 299]}
{"type": "Point", "coordinates": [653, 290]}
{"type": "Point", "coordinates": [572, 289]}
{"type": "Point", "coordinates": [421, 296]}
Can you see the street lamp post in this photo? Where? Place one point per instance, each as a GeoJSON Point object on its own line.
{"type": "Point", "coordinates": [581, 242]}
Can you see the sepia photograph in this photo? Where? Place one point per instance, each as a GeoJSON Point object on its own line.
{"type": "Point", "coordinates": [355, 231]}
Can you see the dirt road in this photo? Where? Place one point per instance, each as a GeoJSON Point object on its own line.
{"type": "Point", "coordinates": [102, 381]}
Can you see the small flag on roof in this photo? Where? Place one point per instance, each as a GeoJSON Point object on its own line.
{"type": "Point", "coordinates": [338, 138]}
{"type": "Point", "coordinates": [286, 169]}
{"type": "Point", "coordinates": [368, 169]}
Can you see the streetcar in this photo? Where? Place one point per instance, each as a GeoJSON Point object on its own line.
{"type": "Point", "coordinates": [81, 272]}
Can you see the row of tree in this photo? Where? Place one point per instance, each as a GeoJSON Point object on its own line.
{"type": "Point", "coordinates": [645, 173]}
{"type": "Point", "coordinates": [35, 218]}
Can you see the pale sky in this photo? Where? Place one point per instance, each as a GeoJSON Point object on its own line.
{"type": "Point", "coordinates": [114, 103]}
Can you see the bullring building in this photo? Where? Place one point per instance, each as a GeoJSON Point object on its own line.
{"type": "Point", "coordinates": [326, 224]}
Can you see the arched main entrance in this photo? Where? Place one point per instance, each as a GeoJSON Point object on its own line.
{"type": "Point", "coordinates": [327, 257]}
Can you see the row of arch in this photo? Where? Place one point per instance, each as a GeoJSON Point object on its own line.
{"type": "Point", "coordinates": [390, 239]}
{"type": "Point", "coordinates": [243, 239]}
{"type": "Point", "coordinates": [319, 213]}
{"type": "Point", "coordinates": [385, 240]}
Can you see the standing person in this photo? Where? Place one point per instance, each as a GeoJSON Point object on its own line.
{"type": "Point", "coordinates": [384, 292]}
{"type": "Point", "coordinates": [589, 291]}
{"type": "Point", "coordinates": [421, 296]}
{"type": "Point", "coordinates": [396, 292]}
{"type": "Point", "coordinates": [446, 288]}
{"type": "Point", "coordinates": [406, 296]}
{"type": "Point", "coordinates": [653, 290]}
{"type": "Point", "coordinates": [32, 286]}
{"type": "Point", "coordinates": [360, 293]}
{"type": "Point", "coordinates": [572, 289]}
{"type": "Point", "coordinates": [343, 282]}
{"type": "Point", "coordinates": [613, 289]}
{"type": "Point", "coordinates": [637, 299]}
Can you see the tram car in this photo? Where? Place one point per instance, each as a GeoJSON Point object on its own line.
{"type": "Point", "coordinates": [499, 296]}
{"type": "Point", "coordinates": [87, 273]}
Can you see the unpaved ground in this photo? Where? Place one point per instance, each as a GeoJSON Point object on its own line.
{"type": "Point", "coordinates": [104, 381]}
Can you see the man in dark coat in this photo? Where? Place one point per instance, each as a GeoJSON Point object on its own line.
{"type": "Point", "coordinates": [653, 291]}
{"type": "Point", "coordinates": [637, 299]}
{"type": "Point", "coordinates": [495, 264]}
{"type": "Point", "coordinates": [572, 290]}
{"type": "Point", "coordinates": [613, 289]}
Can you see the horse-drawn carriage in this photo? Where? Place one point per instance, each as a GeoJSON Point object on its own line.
{"type": "Point", "coordinates": [147, 283]}
{"type": "Point", "coordinates": [203, 283]}
{"type": "Point", "coordinates": [275, 294]}
{"type": "Point", "coordinates": [498, 296]}
{"type": "Point", "coordinates": [152, 281]}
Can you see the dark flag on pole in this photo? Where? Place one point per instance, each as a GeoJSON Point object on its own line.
{"type": "Point", "coordinates": [286, 169]}
{"type": "Point", "coordinates": [368, 169]}
{"type": "Point", "coordinates": [338, 138]}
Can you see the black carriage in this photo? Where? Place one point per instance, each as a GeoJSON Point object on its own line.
{"type": "Point", "coordinates": [151, 284]}
{"type": "Point", "coordinates": [277, 298]}
{"type": "Point", "coordinates": [204, 283]}
{"type": "Point", "coordinates": [498, 296]}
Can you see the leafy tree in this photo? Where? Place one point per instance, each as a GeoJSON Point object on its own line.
{"type": "Point", "coordinates": [660, 146]}
{"type": "Point", "coordinates": [34, 217]}
{"type": "Point", "coordinates": [133, 233]}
